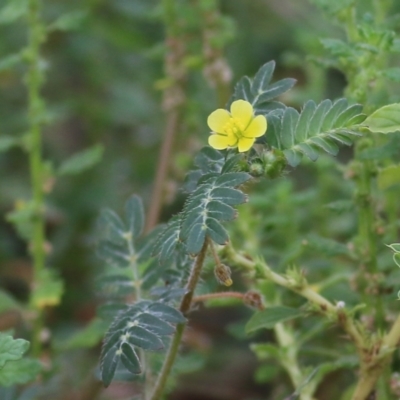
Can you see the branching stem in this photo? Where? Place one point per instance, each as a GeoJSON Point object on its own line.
{"type": "Point", "coordinates": [184, 308]}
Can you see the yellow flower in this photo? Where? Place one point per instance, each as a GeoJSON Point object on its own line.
{"type": "Point", "coordinates": [238, 128]}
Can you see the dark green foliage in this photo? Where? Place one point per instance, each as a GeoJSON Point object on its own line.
{"type": "Point", "coordinates": [315, 128]}
{"type": "Point", "coordinates": [259, 92]}
{"type": "Point", "coordinates": [271, 316]}
{"type": "Point", "coordinates": [210, 162]}
{"type": "Point", "coordinates": [115, 285]}
{"type": "Point", "coordinates": [327, 247]}
{"type": "Point", "coordinates": [121, 243]}
{"type": "Point", "coordinates": [204, 210]}
{"type": "Point", "coordinates": [139, 326]}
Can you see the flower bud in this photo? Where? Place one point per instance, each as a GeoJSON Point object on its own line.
{"type": "Point", "coordinates": [253, 299]}
{"type": "Point", "coordinates": [223, 274]}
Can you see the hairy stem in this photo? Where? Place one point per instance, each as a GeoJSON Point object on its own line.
{"type": "Point", "coordinates": [184, 308]}
{"type": "Point", "coordinates": [220, 295]}
{"type": "Point", "coordinates": [34, 81]}
{"type": "Point", "coordinates": [287, 341]}
{"type": "Point", "coordinates": [321, 303]}
{"type": "Point", "coordinates": [173, 101]}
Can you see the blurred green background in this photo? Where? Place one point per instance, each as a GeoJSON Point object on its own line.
{"type": "Point", "coordinates": [103, 86]}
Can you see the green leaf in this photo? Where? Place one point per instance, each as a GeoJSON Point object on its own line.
{"type": "Point", "coordinates": [392, 73]}
{"type": "Point", "coordinates": [19, 372]}
{"type": "Point", "coordinates": [195, 238]}
{"type": "Point", "coordinates": [130, 359]}
{"type": "Point", "coordinates": [390, 149]}
{"type": "Point", "coordinates": [13, 368]}
{"type": "Point", "coordinates": [11, 349]}
{"type": "Point", "coordinates": [48, 290]}
{"type": "Point", "coordinates": [221, 211]}
{"type": "Point", "coordinates": [107, 311]}
{"type": "Point", "coordinates": [109, 364]}
{"type": "Point", "coordinates": [111, 227]}
{"type": "Point", "coordinates": [115, 285]}
{"type": "Point", "coordinates": [342, 120]}
{"type": "Point", "coordinates": [396, 259]}
{"type": "Point", "coordinates": [229, 196]}
{"type": "Point", "coordinates": [216, 231]}
{"type": "Point", "coordinates": [141, 325]}
{"type": "Point", "coordinates": [328, 247]}
{"type": "Point", "coordinates": [340, 206]}
{"type": "Point", "coordinates": [166, 313]}
{"type": "Point", "coordinates": [308, 150]}
{"type": "Point", "coordinates": [14, 10]}
{"type": "Point", "coordinates": [289, 123]}
{"type": "Point", "coordinates": [209, 160]}
{"type": "Point", "coordinates": [274, 90]}
{"type": "Point", "coordinates": [143, 338]}
{"type": "Point", "coordinates": [262, 78]}
{"type": "Point", "coordinates": [293, 157]}
{"type": "Point", "coordinates": [325, 144]}
{"type": "Point", "coordinates": [113, 254]}
{"type": "Point", "coordinates": [337, 108]}
{"type": "Point", "coordinates": [395, 247]}
{"type": "Point", "coordinates": [90, 336]}
{"type": "Point", "coordinates": [259, 92]}
{"type": "Point", "coordinates": [82, 161]}
{"type": "Point", "coordinates": [231, 163]}
{"type": "Point", "coordinates": [384, 120]}
{"type": "Point", "coordinates": [265, 351]}
{"type": "Point", "coordinates": [316, 128]}
{"type": "Point", "coordinates": [168, 241]}
{"type": "Point", "coordinates": [317, 120]}
{"type": "Point", "coordinates": [242, 90]}
{"type": "Point", "coordinates": [154, 324]}
{"type": "Point", "coordinates": [388, 177]}
{"type": "Point", "coordinates": [68, 22]}
{"type": "Point", "coordinates": [8, 142]}
{"type": "Point", "coordinates": [7, 302]}
{"type": "Point", "coordinates": [307, 112]}
{"type": "Point", "coordinates": [135, 215]}
{"type": "Point", "coordinates": [271, 316]}
{"type": "Point", "coordinates": [326, 368]}
{"type": "Point", "coordinates": [232, 179]}
{"type": "Point", "coordinates": [10, 61]}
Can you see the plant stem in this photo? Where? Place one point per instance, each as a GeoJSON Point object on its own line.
{"type": "Point", "coordinates": [134, 266]}
{"type": "Point", "coordinates": [216, 69]}
{"type": "Point", "coordinates": [173, 101]}
{"type": "Point", "coordinates": [360, 75]}
{"type": "Point", "coordinates": [322, 304]}
{"type": "Point", "coordinates": [184, 308]}
{"type": "Point", "coordinates": [287, 341]}
{"type": "Point", "coordinates": [34, 81]}
{"type": "Point", "coordinates": [220, 295]}
{"type": "Point", "coordinates": [370, 372]}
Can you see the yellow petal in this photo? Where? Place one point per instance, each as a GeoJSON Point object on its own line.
{"type": "Point", "coordinates": [232, 141]}
{"type": "Point", "coordinates": [243, 111]}
{"type": "Point", "coordinates": [218, 142]}
{"type": "Point", "coordinates": [257, 127]}
{"type": "Point", "coordinates": [245, 144]}
{"type": "Point", "coordinates": [217, 120]}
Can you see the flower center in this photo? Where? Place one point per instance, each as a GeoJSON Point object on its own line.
{"type": "Point", "coordinates": [234, 127]}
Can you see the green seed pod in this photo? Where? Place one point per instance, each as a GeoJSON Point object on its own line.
{"type": "Point", "coordinates": [256, 169]}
